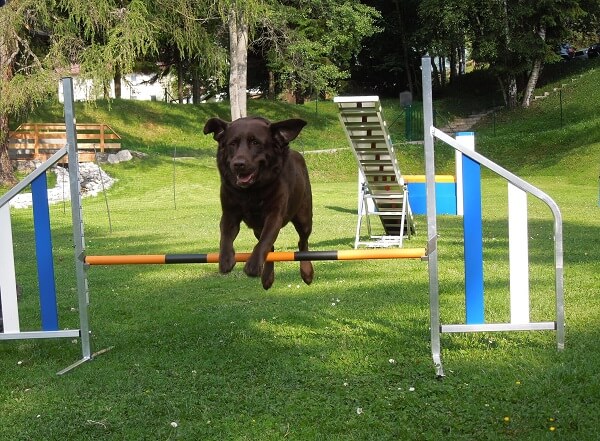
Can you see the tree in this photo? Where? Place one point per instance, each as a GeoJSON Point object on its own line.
{"type": "Point", "coordinates": [389, 60]}
{"type": "Point", "coordinates": [188, 43]}
{"type": "Point", "coordinates": [447, 24]}
{"type": "Point", "coordinates": [307, 43]}
{"type": "Point", "coordinates": [240, 18]}
{"type": "Point", "coordinates": [511, 38]}
{"type": "Point", "coordinates": [42, 39]}
{"type": "Point", "coordinates": [321, 40]}
{"type": "Point", "coordinates": [26, 75]}
{"type": "Point", "coordinates": [238, 60]}
{"type": "Point", "coordinates": [110, 36]}
{"type": "Point", "coordinates": [7, 49]}
{"type": "Point", "coordinates": [516, 38]}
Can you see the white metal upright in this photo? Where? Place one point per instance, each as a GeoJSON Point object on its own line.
{"type": "Point", "coordinates": [432, 250]}
{"type": "Point", "coordinates": [12, 330]}
{"type": "Point", "coordinates": [518, 323]}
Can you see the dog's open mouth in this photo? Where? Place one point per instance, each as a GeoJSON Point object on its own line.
{"type": "Point", "coordinates": [245, 179]}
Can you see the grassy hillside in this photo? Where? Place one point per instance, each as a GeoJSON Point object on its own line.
{"type": "Point", "coordinates": [554, 132]}
{"type": "Point", "coordinates": [540, 140]}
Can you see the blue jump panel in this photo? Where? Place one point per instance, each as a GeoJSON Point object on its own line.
{"type": "Point", "coordinates": [445, 197]}
{"type": "Point", "coordinates": [43, 254]}
{"type": "Point", "coordinates": [473, 241]}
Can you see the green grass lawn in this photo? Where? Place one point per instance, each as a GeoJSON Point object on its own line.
{"type": "Point", "coordinates": [196, 355]}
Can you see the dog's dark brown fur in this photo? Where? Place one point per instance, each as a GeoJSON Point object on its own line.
{"type": "Point", "coordinates": [265, 185]}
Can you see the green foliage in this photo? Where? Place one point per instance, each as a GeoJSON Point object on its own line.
{"type": "Point", "coordinates": [30, 76]}
{"type": "Point", "coordinates": [24, 92]}
{"type": "Point", "coordinates": [111, 37]}
{"type": "Point", "coordinates": [323, 38]}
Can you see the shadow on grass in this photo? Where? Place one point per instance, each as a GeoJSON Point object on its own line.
{"type": "Point", "coordinates": [341, 209]}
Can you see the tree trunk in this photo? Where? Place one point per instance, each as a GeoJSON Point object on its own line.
{"type": "Point", "coordinates": [271, 92]}
{"type": "Point", "coordinates": [502, 89]}
{"type": "Point", "coordinates": [531, 82]}
{"type": "Point", "coordinates": [443, 74]}
{"type": "Point", "coordinates": [404, 44]}
{"type": "Point", "coordinates": [117, 81]}
{"type": "Point", "coordinates": [180, 82]}
{"type": "Point", "coordinates": [453, 63]}
{"type": "Point", "coordinates": [299, 96]}
{"type": "Point", "coordinates": [511, 82]}
{"type": "Point", "coordinates": [196, 89]}
{"type": "Point", "coordinates": [437, 78]}
{"type": "Point", "coordinates": [7, 52]}
{"type": "Point", "coordinates": [7, 175]}
{"type": "Point", "coordinates": [462, 67]}
{"type": "Point", "coordinates": [535, 72]}
{"type": "Point", "coordinates": [512, 91]}
{"type": "Point", "coordinates": [238, 54]}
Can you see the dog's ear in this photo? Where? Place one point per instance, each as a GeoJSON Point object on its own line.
{"type": "Point", "coordinates": [216, 126]}
{"type": "Point", "coordinates": [286, 131]}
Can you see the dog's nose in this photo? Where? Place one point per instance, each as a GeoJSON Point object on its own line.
{"type": "Point", "coordinates": [239, 163]}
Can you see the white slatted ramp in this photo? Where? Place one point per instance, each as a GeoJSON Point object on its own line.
{"type": "Point", "coordinates": [383, 191]}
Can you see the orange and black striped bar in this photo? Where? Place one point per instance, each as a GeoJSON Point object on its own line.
{"type": "Point", "coordinates": [276, 256]}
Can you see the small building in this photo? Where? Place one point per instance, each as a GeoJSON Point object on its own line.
{"type": "Point", "coordinates": [134, 86]}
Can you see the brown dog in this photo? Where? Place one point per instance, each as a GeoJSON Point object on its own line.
{"type": "Point", "coordinates": [264, 184]}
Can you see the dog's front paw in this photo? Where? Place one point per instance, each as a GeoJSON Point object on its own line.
{"type": "Point", "coordinates": [307, 272]}
{"type": "Point", "coordinates": [268, 275]}
{"type": "Point", "coordinates": [226, 262]}
{"type": "Point", "coordinates": [253, 267]}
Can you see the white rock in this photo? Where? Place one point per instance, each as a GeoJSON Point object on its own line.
{"type": "Point", "coordinates": [92, 180]}
{"type": "Point", "coordinates": [120, 156]}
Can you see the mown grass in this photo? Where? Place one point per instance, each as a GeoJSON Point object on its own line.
{"type": "Point", "coordinates": [346, 358]}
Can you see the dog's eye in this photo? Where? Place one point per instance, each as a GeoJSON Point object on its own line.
{"type": "Point", "coordinates": [255, 143]}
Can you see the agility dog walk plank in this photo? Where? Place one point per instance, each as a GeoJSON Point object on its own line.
{"type": "Point", "coordinates": [383, 191]}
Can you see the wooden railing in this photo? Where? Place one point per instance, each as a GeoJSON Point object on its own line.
{"type": "Point", "coordinates": [41, 140]}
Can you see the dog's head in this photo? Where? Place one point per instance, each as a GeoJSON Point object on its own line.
{"type": "Point", "coordinates": [252, 150]}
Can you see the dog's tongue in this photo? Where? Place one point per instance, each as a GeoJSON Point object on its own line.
{"type": "Point", "coordinates": [243, 180]}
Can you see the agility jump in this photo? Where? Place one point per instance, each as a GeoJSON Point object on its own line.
{"type": "Point", "coordinates": [276, 256]}
{"type": "Point", "coordinates": [429, 255]}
